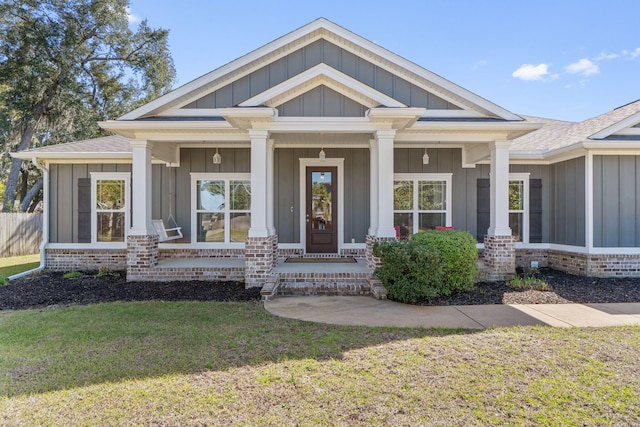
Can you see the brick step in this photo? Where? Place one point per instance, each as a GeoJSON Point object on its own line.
{"type": "Point", "coordinates": [323, 284]}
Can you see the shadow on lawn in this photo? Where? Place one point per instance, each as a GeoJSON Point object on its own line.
{"type": "Point", "coordinates": [71, 347]}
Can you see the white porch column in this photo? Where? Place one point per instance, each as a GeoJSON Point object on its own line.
{"type": "Point", "coordinates": [499, 181]}
{"type": "Point", "coordinates": [384, 139]}
{"type": "Point", "coordinates": [373, 191]}
{"type": "Point", "coordinates": [141, 189]}
{"type": "Point", "coordinates": [270, 190]}
{"type": "Point", "coordinates": [259, 183]}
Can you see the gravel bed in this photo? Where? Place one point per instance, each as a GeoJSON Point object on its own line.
{"type": "Point", "coordinates": [52, 289]}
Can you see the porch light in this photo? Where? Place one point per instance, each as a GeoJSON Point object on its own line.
{"type": "Point", "coordinates": [217, 158]}
{"type": "Point", "coordinates": [425, 157]}
{"type": "Point", "coordinates": [322, 155]}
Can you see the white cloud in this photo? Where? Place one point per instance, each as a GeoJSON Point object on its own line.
{"type": "Point", "coordinates": [583, 67]}
{"type": "Point", "coordinates": [606, 56]}
{"type": "Point", "coordinates": [133, 19]}
{"type": "Point", "coordinates": [633, 54]}
{"type": "Point", "coordinates": [532, 72]}
{"type": "Point", "coordinates": [479, 64]}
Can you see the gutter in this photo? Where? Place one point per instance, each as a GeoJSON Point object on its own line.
{"type": "Point", "coordinates": [45, 222]}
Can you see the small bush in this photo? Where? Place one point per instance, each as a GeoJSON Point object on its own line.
{"type": "Point", "coordinates": [428, 265]}
{"type": "Point", "coordinates": [72, 275]}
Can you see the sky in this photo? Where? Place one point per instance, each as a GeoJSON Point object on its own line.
{"type": "Point", "coordinates": [560, 59]}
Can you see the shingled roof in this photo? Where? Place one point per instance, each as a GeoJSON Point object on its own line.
{"type": "Point", "coordinates": [556, 134]}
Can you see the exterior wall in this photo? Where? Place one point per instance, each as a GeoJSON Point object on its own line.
{"type": "Point", "coordinates": [63, 187]}
{"type": "Point", "coordinates": [322, 102]}
{"type": "Point", "coordinates": [287, 191]}
{"type": "Point", "coordinates": [178, 180]}
{"type": "Point", "coordinates": [447, 160]}
{"type": "Point", "coordinates": [89, 259]}
{"type": "Point", "coordinates": [539, 172]}
{"type": "Point", "coordinates": [567, 202]}
{"type": "Point", "coordinates": [616, 201]}
{"type": "Point", "coordinates": [318, 52]}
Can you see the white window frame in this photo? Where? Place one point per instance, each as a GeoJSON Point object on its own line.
{"type": "Point", "coordinates": [215, 176]}
{"type": "Point", "coordinates": [110, 176]}
{"type": "Point", "coordinates": [416, 177]}
{"type": "Point", "coordinates": [524, 178]}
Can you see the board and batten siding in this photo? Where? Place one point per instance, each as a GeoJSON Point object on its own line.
{"type": "Point", "coordinates": [567, 202]}
{"type": "Point", "coordinates": [178, 181]}
{"type": "Point", "coordinates": [321, 51]}
{"type": "Point", "coordinates": [63, 205]}
{"type": "Point", "coordinates": [465, 183]}
{"type": "Point", "coordinates": [287, 191]}
{"type": "Point", "coordinates": [616, 201]}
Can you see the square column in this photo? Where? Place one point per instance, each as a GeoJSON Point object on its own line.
{"type": "Point", "coordinates": [499, 181]}
{"type": "Point", "coordinates": [384, 163]}
{"type": "Point", "coordinates": [499, 246]}
{"type": "Point", "coordinates": [373, 190]}
{"type": "Point", "coordinates": [259, 183]}
{"type": "Point", "coordinates": [141, 189]}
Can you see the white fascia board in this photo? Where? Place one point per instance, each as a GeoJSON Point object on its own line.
{"type": "Point", "coordinates": [116, 125]}
{"type": "Point", "coordinates": [308, 124]}
{"type": "Point", "coordinates": [630, 121]}
{"type": "Point", "coordinates": [315, 76]}
{"type": "Point", "coordinates": [512, 129]}
{"type": "Point", "coordinates": [26, 155]}
{"type": "Point", "coordinates": [190, 112]}
{"type": "Point", "coordinates": [452, 114]}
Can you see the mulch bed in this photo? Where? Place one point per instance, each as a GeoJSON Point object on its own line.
{"type": "Point", "coordinates": [51, 289]}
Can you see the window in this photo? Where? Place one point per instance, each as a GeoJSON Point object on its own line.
{"type": "Point", "coordinates": [421, 202]}
{"type": "Point", "coordinates": [110, 207]}
{"type": "Point", "coordinates": [222, 211]}
{"type": "Point", "coordinates": [518, 206]}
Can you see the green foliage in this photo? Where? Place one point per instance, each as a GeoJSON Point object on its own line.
{"type": "Point", "coordinates": [429, 265]}
{"type": "Point", "coordinates": [529, 281]}
{"type": "Point", "coordinates": [3, 281]}
{"type": "Point", "coordinates": [72, 275]}
{"type": "Point", "coordinates": [104, 271]}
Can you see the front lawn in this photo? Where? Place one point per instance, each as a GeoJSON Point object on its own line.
{"type": "Point", "coordinates": [207, 363]}
{"type": "Point", "coordinates": [17, 264]}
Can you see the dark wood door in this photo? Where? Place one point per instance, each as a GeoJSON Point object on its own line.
{"type": "Point", "coordinates": [322, 209]}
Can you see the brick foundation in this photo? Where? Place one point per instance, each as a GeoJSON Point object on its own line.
{"type": "Point", "coordinates": [142, 256]}
{"type": "Point", "coordinates": [260, 258]}
{"type": "Point", "coordinates": [191, 253]}
{"type": "Point", "coordinates": [500, 256]}
{"type": "Point", "coordinates": [373, 262]}
{"type": "Point", "coordinates": [525, 256]}
{"type": "Point", "coordinates": [85, 259]}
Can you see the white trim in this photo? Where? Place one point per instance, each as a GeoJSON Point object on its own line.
{"type": "Point", "coordinates": [524, 177]}
{"type": "Point", "coordinates": [318, 75]}
{"type": "Point", "coordinates": [214, 176]}
{"type": "Point", "coordinates": [628, 122]}
{"type": "Point", "coordinates": [629, 131]}
{"type": "Point", "coordinates": [126, 209]}
{"type": "Point", "coordinates": [330, 162]}
{"type": "Point", "coordinates": [415, 178]}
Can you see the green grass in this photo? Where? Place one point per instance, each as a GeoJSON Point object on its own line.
{"type": "Point", "coordinates": [193, 363]}
{"type": "Point", "coordinates": [14, 265]}
{"type": "Point", "coordinates": [530, 283]}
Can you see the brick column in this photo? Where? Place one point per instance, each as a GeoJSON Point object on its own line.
{"type": "Point", "coordinates": [259, 257]}
{"type": "Point", "coordinates": [142, 255]}
{"type": "Point", "coordinates": [373, 262]}
{"type": "Point", "coordinates": [500, 255]}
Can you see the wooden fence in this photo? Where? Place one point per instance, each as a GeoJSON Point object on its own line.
{"type": "Point", "coordinates": [20, 234]}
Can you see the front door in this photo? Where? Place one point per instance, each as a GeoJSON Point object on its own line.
{"type": "Point", "coordinates": [322, 209]}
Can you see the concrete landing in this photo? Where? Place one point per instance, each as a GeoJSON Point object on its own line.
{"type": "Point", "coordinates": [367, 311]}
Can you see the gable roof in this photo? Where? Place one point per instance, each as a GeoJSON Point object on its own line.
{"type": "Point", "coordinates": [556, 134]}
{"type": "Point", "coordinates": [316, 30]}
{"type": "Point", "coordinates": [112, 146]}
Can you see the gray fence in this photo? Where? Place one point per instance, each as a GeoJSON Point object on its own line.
{"type": "Point", "coordinates": [20, 234]}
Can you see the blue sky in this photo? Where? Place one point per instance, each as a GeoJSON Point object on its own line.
{"type": "Point", "coordinates": [561, 59]}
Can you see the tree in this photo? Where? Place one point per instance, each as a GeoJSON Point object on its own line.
{"type": "Point", "coordinates": [66, 64]}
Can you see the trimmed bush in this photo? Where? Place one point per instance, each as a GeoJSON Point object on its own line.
{"type": "Point", "coordinates": [429, 265]}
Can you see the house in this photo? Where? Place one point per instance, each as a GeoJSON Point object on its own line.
{"type": "Point", "coordinates": [321, 143]}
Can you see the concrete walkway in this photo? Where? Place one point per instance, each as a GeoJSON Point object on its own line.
{"type": "Point", "coordinates": [371, 312]}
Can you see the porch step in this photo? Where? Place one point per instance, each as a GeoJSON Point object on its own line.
{"type": "Point", "coordinates": [323, 284]}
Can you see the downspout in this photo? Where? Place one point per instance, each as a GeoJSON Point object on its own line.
{"type": "Point", "coordinates": [45, 222]}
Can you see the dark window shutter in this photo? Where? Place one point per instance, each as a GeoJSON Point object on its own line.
{"type": "Point", "coordinates": [483, 219]}
{"type": "Point", "coordinates": [84, 210]}
{"type": "Point", "coordinates": [535, 211]}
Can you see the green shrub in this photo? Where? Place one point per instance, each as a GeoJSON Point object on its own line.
{"type": "Point", "coordinates": [72, 275]}
{"type": "Point", "coordinates": [458, 258]}
{"type": "Point", "coordinates": [428, 265]}
{"type": "Point", "coordinates": [3, 281]}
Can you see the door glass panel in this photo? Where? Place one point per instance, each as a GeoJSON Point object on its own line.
{"type": "Point", "coordinates": [321, 203]}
